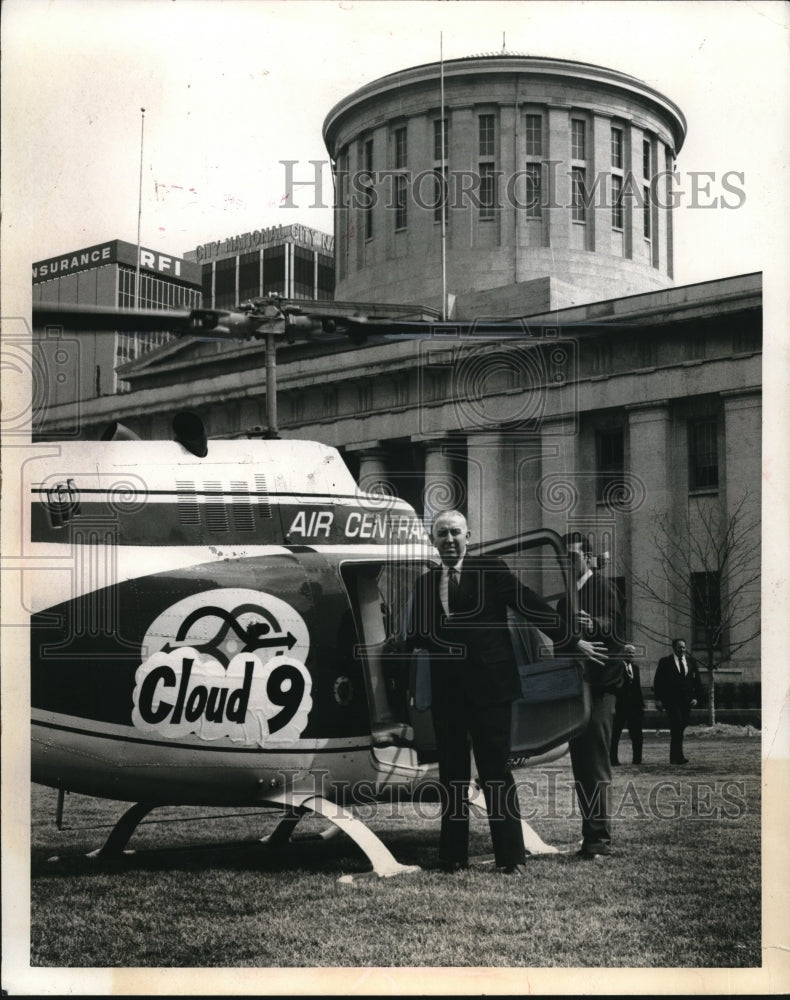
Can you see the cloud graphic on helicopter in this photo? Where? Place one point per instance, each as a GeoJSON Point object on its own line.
{"type": "Point", "coordinates": [230, 620]}
{"type": "Point", "coordinates": [225, 663]}
{"type": "Point", "coordinates": [255, 636]}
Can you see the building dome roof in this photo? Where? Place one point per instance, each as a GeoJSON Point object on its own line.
{"type": "Point", "coordinates": [505, 62]}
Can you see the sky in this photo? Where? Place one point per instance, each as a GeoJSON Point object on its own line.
{"type": "Point", "coordinates": [232, 88]}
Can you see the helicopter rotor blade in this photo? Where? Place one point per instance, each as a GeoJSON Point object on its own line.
{"type": "Point", "coordinates": [219, 323]}
{"type": "Point", "coordinates": [98, 318]}
{"type": "Point", "coordinates": [255, 320]}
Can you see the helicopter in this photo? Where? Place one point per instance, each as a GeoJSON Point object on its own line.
{"type": "Point", "coordinates": [217, 628]}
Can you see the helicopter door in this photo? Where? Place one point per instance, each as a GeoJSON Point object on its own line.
{"type": "Point", "coordinates": [379, 593]}
{"type": "Point", "coordinates": [555, 702]}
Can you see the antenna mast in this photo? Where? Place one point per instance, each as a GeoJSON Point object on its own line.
{"type": "Point", "coordinates": [139, 213]}
{"type": "Point", "coordinates": [443, 183]}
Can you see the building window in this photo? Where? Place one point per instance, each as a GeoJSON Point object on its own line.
{"type": "Point", "coordinates": [249, 275]}
{"type": "Point", "coordinates": [399, 138]}
{"type": "Point", "coordinates": [534, 130]}
{"type": "Point", "coordinates": [206, 286]}
{"type": "Point", "coordinates": [617, 202]}
{"type": "Point", "coordinates": [487, 135]}
{"type": "Point", "coordinates": [326, 277]}
{"type": "Point", "coordinates": [155, 293]}
{"type": "Point", "coordinates": [610, 462]}
{"type": "Point", "coordinates": [617, 148]}
{"type": "Point", "coordinates": [274, 270]}
{"type": "Point", "coordinates": [225, 283]}
{"type": "Point", "coordinates": [400, 148]}
{"type": "Point", "coordinates": [706, 609]}
{"type": "Point", "coordinates": [487, 191]}
{"type": "Point", "coordinates": [577, 139]}
{"type": "Point", "coordinates": [646, 212]}
{"type": "Point", "coordinates": [438, 154]}
{"type": "Point", "coordinates": [703, 454]}
{"type": "Point", "coordinates": [368, 209]}
{"type": "Point", "coordinates": [578, 194]}
{"type": "Point", "coordinates": [400, 201]}
{"type": "Point", "coordinates": [533, 200]}
{"type": "Point", "coordinates": [303, 273]}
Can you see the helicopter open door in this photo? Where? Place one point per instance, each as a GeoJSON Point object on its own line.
{"type": "Point", "coordinates": [378, 592]}
{"type": "Point", "coordinates": [555, 702]}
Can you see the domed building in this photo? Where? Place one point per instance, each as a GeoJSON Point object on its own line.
{"type": "Point", "coordinates": [557, 185]}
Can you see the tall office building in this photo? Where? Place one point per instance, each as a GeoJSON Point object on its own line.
{"type": "Point", "coordinates": [82, 365]}
{"type": "Point", "coordinates": [294, 261]}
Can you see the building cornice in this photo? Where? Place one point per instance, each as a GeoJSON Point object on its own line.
{"type": "Point", "coordinates": [537, 67]}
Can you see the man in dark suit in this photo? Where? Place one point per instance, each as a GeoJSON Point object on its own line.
{"type": "Point", "coordinates": [629, 708]}
{"type": "Point", "coordinates": [599, 615]}
{"type": "Point", "coordinates": [459, 614]}
{"type": "Point", "coordinates": [678, 688]}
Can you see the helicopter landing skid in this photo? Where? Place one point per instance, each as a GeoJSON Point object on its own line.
{"type": "Point", "coordinates": [122, 831]}
{"type": "Point", "coordinates": [343, 821]}
{"type": "Point", "coordinates": [533, 844]}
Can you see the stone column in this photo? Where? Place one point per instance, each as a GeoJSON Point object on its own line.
{"type": "Point", "coordinates": [558, 495]}
{"type": "Point", "coordinates": [649, 463]}
{"type": "Point", "coordinates": [501, 476]}
{"type": "Point", "coordinates": [599, 184]}
{"type": "Point", "coordinates": [659, 196]}
{"type": "Point", "coordinates": [632, 199]}
{"type": "Point", "coordinates": [373, 472]}
{"type": "Point", "coordinates": [463, 149]}
{"type": "Point", "coordinates": [742, 456]}
{"type": "Point", "coordinates": [558, 178]}
{"type": "Point", "coordinates": [742, 484]}
{"type": "Point", "coordinates": [508, 225]}
{"type": "Point", "coordinates": [442, 488]}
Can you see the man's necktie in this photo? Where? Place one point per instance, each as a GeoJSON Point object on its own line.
{"type": "Point", "coordinates": [629, 671]}
{"type": "Point", "coordinates": [452, 589]}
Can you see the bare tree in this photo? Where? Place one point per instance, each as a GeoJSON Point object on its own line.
{"type": "Point", "coordinates": [707, 578]}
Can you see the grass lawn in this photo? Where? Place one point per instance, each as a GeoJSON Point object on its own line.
{"type": "Point", "coordinates": [682, 890]}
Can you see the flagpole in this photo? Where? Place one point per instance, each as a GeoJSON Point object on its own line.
{"type": "Point", "coordinates": [443, 186]}
{"type": "Point", "coordinates": [139, 213]}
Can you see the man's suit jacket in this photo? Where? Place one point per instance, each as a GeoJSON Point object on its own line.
{"type": "Point", "coordinates": [598, 596]}
{"type": "Point", "coordinates": [672, 688]}
{"type": "Point", "coordinates": [471, 651]}
{"type": "Point", "coordinates": [630, 701]}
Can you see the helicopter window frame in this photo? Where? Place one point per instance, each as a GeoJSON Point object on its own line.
{"type": "Point", "coordinates": [370, 627]}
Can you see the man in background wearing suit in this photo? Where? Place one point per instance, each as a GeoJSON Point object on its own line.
{"type": "Point", "coordinates": [629, 709]}
{"type": "Point", "coordinates": [600, 617]}
{"type": "Point", "coordinates": [459, 614]}
{"type": "Point", "coordinates": [678, 688]}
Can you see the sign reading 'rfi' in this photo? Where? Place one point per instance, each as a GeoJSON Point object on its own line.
{"type": "Point", "coordinates": [116, 252]}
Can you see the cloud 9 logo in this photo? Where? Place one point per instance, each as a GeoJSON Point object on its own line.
{"type": "Point", "coordinates": [225, 663]}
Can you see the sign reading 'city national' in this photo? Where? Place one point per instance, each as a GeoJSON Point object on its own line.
{"type": "Point", "coordinates": [304, 235]}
